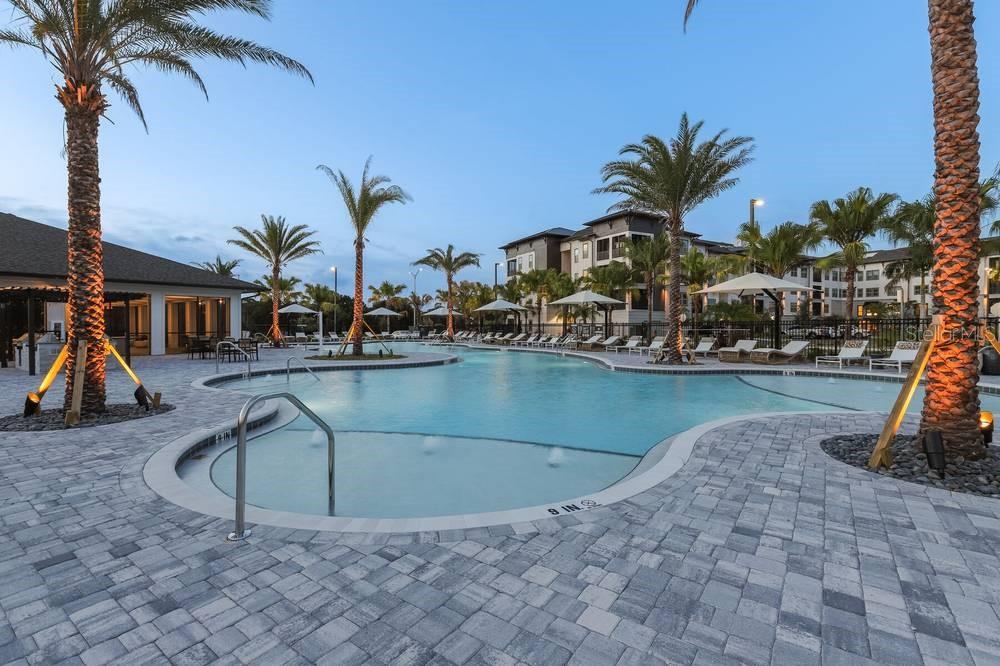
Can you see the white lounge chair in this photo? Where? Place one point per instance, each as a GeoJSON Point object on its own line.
{"type": "Point", "coordinates": [503, 339]}
{"type": "Point", "coordinates": [853, 350]}
{"type": "Point", "coordinates": [735, 353]}
{"type": "Point", "coordinates": [654, 346]}
{"type": "Point", "coordinates": [633, 343]}
{"type": "Point", "coordinates": [608, 343]}
{"type": "Point", "coordinates": [524, 343]}
{"type": "Point", "coordinates": [704, 347]}
{"type": "Point", "coordinates": [565, 342]}
{"type": "Point", "coordinates": [592, 340]}
{"type": "Point", "coordinates": [788, 353]}
{"type": "Point", "coordinates": [905, 351]}
{"type": "Point", "coordinates": [542, 340]}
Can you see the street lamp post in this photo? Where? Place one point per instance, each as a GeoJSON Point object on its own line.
{"type": "Point", "coordinates": [754, 203]}
{"type": "Point", "coordinates": [415, 313]}
{"type": "Point", "coordinates": [336, 297]}
{"type": "Point", "coordinates": [496, 280]}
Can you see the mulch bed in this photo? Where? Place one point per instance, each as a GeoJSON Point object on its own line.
{"type": "Point", "coordinates": [53, 419]}
{"type": "Point", "coordinates": [976, 477]}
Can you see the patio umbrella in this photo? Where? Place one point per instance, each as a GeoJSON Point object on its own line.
{"type": "Point", "coordinates": [383, 312]}
{"type": "Point", "coordinates": [500, 305]}
{"type": "Point", "coordinates": [758, 283]}
{"type": "Point", "coordinates": [441, 311]}
{"type": "Point", "coordinates": [296, 308]}
{"type": "Point", "coordinates": [587, 297]}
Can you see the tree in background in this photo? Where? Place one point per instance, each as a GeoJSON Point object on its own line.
{"type": "Point", "coordinates": [648, 256]}
{"type": "Point", "coordinates": [449, 263]}
{"type": "Point", "coordinates": [782, 248]}
{"type": "Point", "coordinates": [535, 285]}
{"type": "Point", "coordinates": [614, 279]}
{"type": "Point", "coordinates": [387, 295]}
{"type": "Point", "coordinates": [277, 243]}
{"type": "Point", "coordinates": [95, 46]}
{"type": "Point", "coordinates": [218, 266]}
{"type": "Point", "coordinates": [372, 195]}
{"type": "Point", "coordinates": [672, 178]}
{"type": "Point", "coordinates": [697, 270]}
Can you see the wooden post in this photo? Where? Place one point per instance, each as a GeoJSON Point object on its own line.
{"type": "Point", "coordinates": [31, 335]}
{"type": "Point", "coordinates": [882, 453]}
{"type": "Point", "coordinates": [79, 373]}
{"type": "Point", "coordinates": [128, 331]}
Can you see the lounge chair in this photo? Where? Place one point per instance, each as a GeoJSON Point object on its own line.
{"type": "Point", "coordinates": [525, 343]}
{"type": "Point", "coordinates": [704, 347]}
{"type": "Point", "coordinates": [562, 342]}
{"type": "Point", "coordinates": [735, 353]}
{"type": "Point", "coordinates": [606, 344]}
{"type": "Point", "coordinates": [791, 351]}
{"type": "Point", "coordinates": [904, 352]}
{"type": "Point", "coordinates": [516, 339]}
{"type": "Point", "coordinates": [853, 350]}
{"type": "Point", "coordinates": [542, 339]}
{"type": "Point", "coordinates": [592, 340]}
{"type": "Point", "coordinates": [632, 343]}
{"type": "Point", "coordinates": [503, 339]}
{"type": "Point", "coordinates": [653, 347]}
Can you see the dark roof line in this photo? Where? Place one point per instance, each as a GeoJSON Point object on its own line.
{"type": "Point", "coordinates": [555, 232]}
{"type": "Point", "coordinates": [33, 249]}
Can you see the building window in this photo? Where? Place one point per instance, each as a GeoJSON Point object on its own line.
{"type": "Point", "coordinates": [618, 246]}
{"type": "Point", "coordinates": [520, 264]}
{"type": "Point", "coordinates": [861, 292]}
{"type": "Point", "coordinates": [603, 251]}
{"type": "Point", "coordinates": [576, 255]}
{"type": "Point", "coordinates": [871, 292]}
{"type": "Point", "coordinates": [871, 276]}
{"type": "Point", "coordinates": [511, 267]}
{"type": "Point", "coordinates": [531, 261]}
{"type": "Point", "coordinates": [586, 250]}
{"type": "Point", "coordinates": [793, 272]}
{"type": "Point", "coordinates": [917, 289]}
{"type": "Point", "coordinates": [858, 277]}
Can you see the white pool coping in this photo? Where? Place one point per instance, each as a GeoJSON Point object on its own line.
{"type": "Point", "coordinates": [160, 473]}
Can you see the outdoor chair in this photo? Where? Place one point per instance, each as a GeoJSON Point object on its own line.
{"type": "Point", "coordinates": [905, 351]}
{"type": "Point", "coordinates": [589, 342]}
{"type": "Point", "coordinates": [606, 344]}
{"type": "Point", "coordinates": [654, 346]}
{"type": "Point", "coordinates": [633, 343]}
{"type": "Point", "coordinates": [735, 353]}
{"type": "Point", "coordinates": [791, 351]}
{"type": "Point", "coordinates": [704, 347]}
{"type": "Point", "coordinates": [525, 343]}
{"type": "Point", "coordinates": [853, 350]}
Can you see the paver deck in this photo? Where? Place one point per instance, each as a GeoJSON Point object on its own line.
{"type": "Point", "coordinates": [762, 549]}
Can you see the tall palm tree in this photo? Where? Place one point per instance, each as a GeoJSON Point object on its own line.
{"type": "Point", "coordinates": [219, 266]}
{"type": "Point", "coordinates": [781, 249]}
{"type": "Point", "coordinates": [848, 222]}
{"type": "Point", "coordinates": [449, 263]}
{"type": "Point", "coordinates": [93, 46]}
{"type": "Point", "coordinates": [672, 178]}
{"type": "Point", "coordinates": [278, 244]}
{"type": "Point", "coordinates": [363, 205]}
{"type": "Point", "coordinates": [648, 257]}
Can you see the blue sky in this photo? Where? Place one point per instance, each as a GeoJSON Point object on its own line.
{"type": "Point", "coordinates": [496, 117]}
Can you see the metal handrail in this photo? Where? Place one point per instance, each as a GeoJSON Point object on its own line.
{"type": "Point", "coordinates": [288, 368]}
{"type": "Point", "coordinates": [241, 532]}
{"type": "Point", "coordinates": [227, 343]}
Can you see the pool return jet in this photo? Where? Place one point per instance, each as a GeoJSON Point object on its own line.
{"type": "Point", "coordinates": [33, 401]}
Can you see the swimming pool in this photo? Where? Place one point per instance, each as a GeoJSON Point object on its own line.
{"type": "Point", "coordinates": [499, 430]}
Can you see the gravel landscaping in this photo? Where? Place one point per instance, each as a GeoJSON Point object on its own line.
{"type": "Point", "coordinates": [977, 477]}
{"type": "Point", "coordinates": [54, 419]}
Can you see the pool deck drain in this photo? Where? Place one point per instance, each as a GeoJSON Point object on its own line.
{"type": "Point", "coordinates": [760, 549]}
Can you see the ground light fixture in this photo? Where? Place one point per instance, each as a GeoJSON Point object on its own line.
{"type": "Point", "coordinates": [933, 446]}
{"type": "Point", "coordinates": [986, 426]}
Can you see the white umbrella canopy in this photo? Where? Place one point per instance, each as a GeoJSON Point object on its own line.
{"type": "Point", "coordinates": [753, 283]}
{"type": "Point", "coordinates": [382, 312]}
{"type": "Point", "coordinates": [295, 308]}
{"type": "Point", "coordinates": [441, 311]}
{"type": "Point", "coordinates": [500, 305]}
{"type": "Point", "coordinates": [586, 297]}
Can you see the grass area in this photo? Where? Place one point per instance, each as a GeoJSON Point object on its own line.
{"type": "Point", "coordinates": [352, 357]}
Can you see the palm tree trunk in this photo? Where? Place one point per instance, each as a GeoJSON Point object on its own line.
{"type": "Point", "coordinates": [649, 305]}
{"type": "Point", "coordinates": [849, 305]}
{"type": "Point", "coordinates": [85, 255]}
{"type": "Point", "coordinates": [951, 404]}
{"type": "Point", "coordinates": [359, 297]}
{"type": "Point", "coordinates": [275, 297]}
{"type": "Point", "coordinates": [673, 343]}
{"type": "Point", "coordinates": [451, 324]}
{"type": "Point", "coordinates": [923, 296]}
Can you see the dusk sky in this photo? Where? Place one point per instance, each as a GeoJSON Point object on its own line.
{"type": "Point", "coordinates": [496, 117]}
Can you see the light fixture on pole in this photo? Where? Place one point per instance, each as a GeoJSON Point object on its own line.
{"type": "Point", "coordinates": [415, 312]}
{"type": "Point", "coordinates": [754, 203]}
{"type": "Point", "coordinates": [336, 297]}
{"type": "Point", "coordinates": [496, 281]}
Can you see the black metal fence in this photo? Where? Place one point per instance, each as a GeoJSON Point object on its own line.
{"type": "Point", "coordinates": [825, 336]}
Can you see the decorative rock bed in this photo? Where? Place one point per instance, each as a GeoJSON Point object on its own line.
{"type": "Point", "coordinates": [54, 419]}
{"type": "Point", "coordinates": [977, 477]}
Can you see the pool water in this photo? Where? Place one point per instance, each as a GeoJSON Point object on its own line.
{"type": "Point", "coordinates": [499, 430]}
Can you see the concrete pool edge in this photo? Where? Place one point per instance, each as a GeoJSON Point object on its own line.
{"type": "Point", "coordinates": [160, 474]}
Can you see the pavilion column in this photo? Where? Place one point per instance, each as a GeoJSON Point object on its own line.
{"type": "Point", "coordinates": [31, 336]}
{"type": "Point", "coordinates": [128, 332]}
{"type": "Point", "coordinates": [157, 323]}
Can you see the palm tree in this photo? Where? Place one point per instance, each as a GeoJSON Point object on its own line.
{"type": "Point", "coordinates": [535, 283]}
{"type": "Point", "coordinates": [93, 45]}
{"type": "Point", "coordinates": [321, 297]}
{"type": "Point", "coordinates": [697, 270]}
{"type": "Point", "coordinates": [912, 226]}
{"type": "Point", "coordinates": [671, 178]}
{"type": "Point", "coordinates": [219, 266]}
{"type": "Point", "coordinates": [286, 287]}
{"type": "Point", "coordinates": [278, 244]}
{"type": "Point", "coordinates": [449, 263]}
{"type": "Point", "coordinates": [386, 294]}
{"type": "Point", "coordinates": [781, 249]}
{"type": "Point", "coordinates": [613, 279]}
{"type": "Point", "coordinates": [648, 256]}
{"type": "Point", "coordinates": [848, 223]}
{"type": "Point", "coordinates": [362, 207]}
